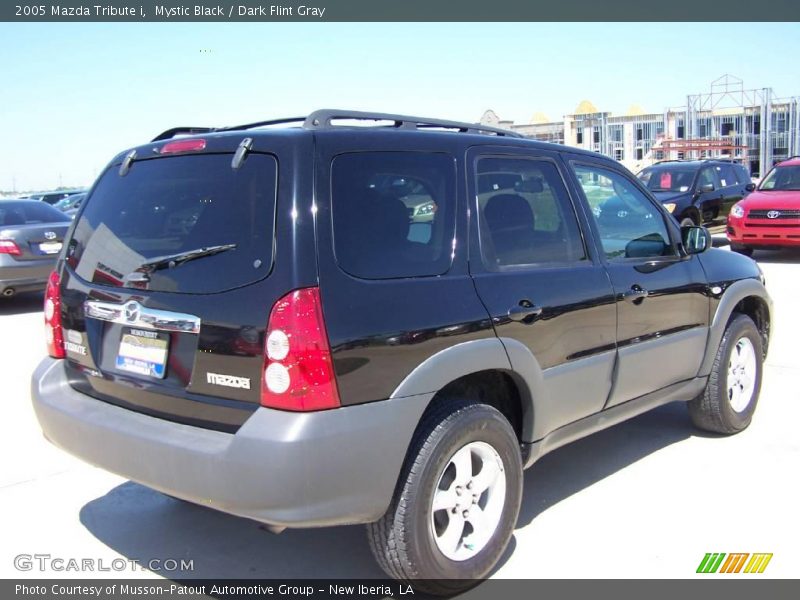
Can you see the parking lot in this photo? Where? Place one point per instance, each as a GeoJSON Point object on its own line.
{"type": "Point", "coordinates": [647, 498]}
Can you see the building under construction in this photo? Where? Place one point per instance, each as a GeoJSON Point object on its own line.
{"type": "Point", "coordinates": [749, 126]}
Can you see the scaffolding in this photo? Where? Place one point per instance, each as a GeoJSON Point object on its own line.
{"type": "Point", "coordinates": [759, 128]}
{"type": "Point", "coordinates": [751, 126]}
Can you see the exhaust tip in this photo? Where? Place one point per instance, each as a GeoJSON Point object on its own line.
{"type": "Point", "coordinates": [8, 292]}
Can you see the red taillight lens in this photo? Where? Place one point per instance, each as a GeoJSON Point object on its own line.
{"type": "Point", "coordinates": [53, 332]}
{"type": "Point", "coordinates": [298, 369]}
{"type": "Point", "coordinates": [9, 247]}
{"type": "Point", "coordinates": [183, 146]}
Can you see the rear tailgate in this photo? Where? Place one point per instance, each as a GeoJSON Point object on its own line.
{"type": "Point", "coordinates": [170, 276]}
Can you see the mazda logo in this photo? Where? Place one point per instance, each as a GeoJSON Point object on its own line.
{"type": "Point", "coordinates": [132, 312]}
{"type": "Point", "coordinates": [50, 235]}
{"type": "Point", "coordinates": [773, 214]}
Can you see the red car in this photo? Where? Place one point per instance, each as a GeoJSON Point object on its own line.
{"type": "Point", "coordinates": [770, 216]}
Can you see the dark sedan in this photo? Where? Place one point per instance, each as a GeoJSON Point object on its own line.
{"type": "Point", "coordinates": [31, 235]}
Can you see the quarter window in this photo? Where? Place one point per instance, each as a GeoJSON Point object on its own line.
{"type": "Point", "coordinates": [393, 213]}
{"type": "Point", "coordinates": [525, 215]}
{"type": "Point", "coordinates": [629, 224]}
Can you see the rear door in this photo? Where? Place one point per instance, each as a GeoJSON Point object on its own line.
{"type": "Point", "coordinates": [171, 273]}
{"type": "Point", "coordinates": [660, 294]}
{"type": "Point", "coordinates": [391, 227]}
{"type": "Point", "coordinates": [709, 195]}
{"type": "Point", "coordinates": [543, 285]}
{"type": "Point", "coordinates": [732, 188]}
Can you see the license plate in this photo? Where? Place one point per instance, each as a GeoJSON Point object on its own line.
{"type": "Point", "coordinates": [143, 353]}
{"type": "Point", "coordinates": [50, 247]}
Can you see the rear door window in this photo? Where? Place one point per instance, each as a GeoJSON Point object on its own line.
{"type": "Point", "coordinates": [727, 176]}
{"type": "Point", "coordinates": [29, 213]}
{"type": "Point", "coordinates": [216, 222]}
{"type": "Point", "coordinates": [525, 215]}
{"type": "Point", "coordinates": [393, 213]}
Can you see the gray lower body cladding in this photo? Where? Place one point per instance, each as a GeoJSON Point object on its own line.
{"type": "Point", "coordinates": [281, 468]}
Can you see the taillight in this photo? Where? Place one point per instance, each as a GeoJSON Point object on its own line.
{"type": "Point", "coordinates": [298, 369]}
{"type": "Point", "coordinates": [190, 145]}
{"type": "Point", "coordinates": [53, 332]}
{"type": "Point", "coordinates": [9, 247]}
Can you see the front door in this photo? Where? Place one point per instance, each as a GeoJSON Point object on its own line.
{"type": "Point", "coordinates": [662, 308]}
{"type": "Point", "coordinates": [540, 280]}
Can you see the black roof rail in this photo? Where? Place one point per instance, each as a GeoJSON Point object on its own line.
{"type": "Point", "coordinates": [171, 133]}
{"type": "Point", "coordinates": [262, 124]}
{"type": "Point", "coordinates": [323, 119]}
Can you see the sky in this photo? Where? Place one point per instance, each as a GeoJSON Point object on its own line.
{"type": "Point", "coordinates": [73, 95]}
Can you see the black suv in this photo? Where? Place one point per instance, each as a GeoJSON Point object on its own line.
{"type": "Point", "coordinates": [331, 323]}
{"type": "Point", "coordinates": [698, 191]}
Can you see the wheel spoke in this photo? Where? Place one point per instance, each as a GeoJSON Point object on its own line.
{"type": "Point", "coordinates": [444, 499]}
{"type": "Point", "coordinates": [745, 381]}
{"type": "Point", "coordinates": [463, 463]}
{"type": "Point", "coordinates": [487, 476]}
{"type": "Point", "coordinates": [451, 537]}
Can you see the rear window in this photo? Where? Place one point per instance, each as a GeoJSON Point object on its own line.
{"type": "Point", "coordinates": [29, 213]}
{"type": "Point", "coordinates": [170, 207]}
{"type": "Point", "coordinates": [393, 213]}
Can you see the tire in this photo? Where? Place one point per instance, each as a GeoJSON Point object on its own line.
{"type": "Point", "coordinates": [408, 540]}
{"type": "Point", "coordinates": [727, 406]}
{"type": "Point", "coordinates": [744, 250]}
{"type": "Point", "coordinates": [688, 221]}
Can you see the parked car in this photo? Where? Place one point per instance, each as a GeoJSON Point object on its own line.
{"type": "Point", "coordinates": [31, 235]}
{"type": "Point", "coordinates": [254, 320]}
{"type": "Point", "coordinates": [770, 216]}
{"type": "Point", "coordinates": [53, 197]}
{"type": "Point", "coordinates": [698, 191]}
{"type": "Point", "coordinates": [69, 203]}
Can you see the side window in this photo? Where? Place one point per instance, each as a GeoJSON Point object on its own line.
{"type": "Point", "coordinates": [524, 214]}
{"type": "Point", "coordinates": [727, 175]}
{"type": "Point", "coordinates": [393, 213]}
{"type": "Point", "coordinates": [630, 225]}
{"type": "Point", "coordinates": [706, 177]}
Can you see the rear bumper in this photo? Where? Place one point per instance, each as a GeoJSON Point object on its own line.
{"type": "Point", "coordinates": [25, 276]}
{"type": "Point", "coordinates": [285, 469]}
{"type": "Point", "coordinates": [763, 235]}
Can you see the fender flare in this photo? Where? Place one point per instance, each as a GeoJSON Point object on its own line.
{"type": "Point", "coordinates": [502, 354]}
{"type": "Point", "coordinates": [738, 291]}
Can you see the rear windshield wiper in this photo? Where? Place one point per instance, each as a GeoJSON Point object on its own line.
{"type": "Point", "coordinates": [170, 261]}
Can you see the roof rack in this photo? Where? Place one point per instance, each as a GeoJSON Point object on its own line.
{"type": "Point", "coordinates": [170, 133]}
{"type": "Point", "coordinates": [324, 119]}
{"type": "Point", "coordinates": [680, 160]}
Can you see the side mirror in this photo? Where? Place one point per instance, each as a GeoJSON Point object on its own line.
{"type": "Point", "coordinates": [695, 239]}
{"type": "Point", "coordinates": [706, 187]}
{"type": "Point", "coordinates": [750, 187]}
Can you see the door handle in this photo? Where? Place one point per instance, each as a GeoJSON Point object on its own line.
{"type": "Point", "coordinates": [524, 311]}
{"type": "Point", "coordinates": [636, 294]}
